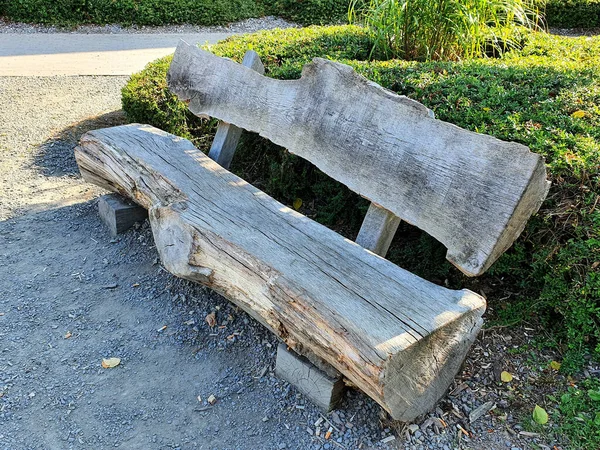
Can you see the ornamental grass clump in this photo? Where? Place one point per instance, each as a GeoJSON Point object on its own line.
{"type": "Point", "coordinates": [427, 30]}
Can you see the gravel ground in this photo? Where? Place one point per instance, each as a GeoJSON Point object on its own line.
{"type": "Point", "coordinates": [575, 32]}
{"type": "Point", "coordinates": [71, 295]}
{"type": "Point", "coordinates": [245, 26]}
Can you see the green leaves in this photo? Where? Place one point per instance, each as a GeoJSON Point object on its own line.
{"type": "Point", "coordinates": [540, 415]}
{"type": "Point", "coordinates": [594, 395]}
{"type": "Point", "coordinates": [427, 30]}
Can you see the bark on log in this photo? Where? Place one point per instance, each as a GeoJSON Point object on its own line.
{"type": "Point", "coordinates": [472, 192]}
{"type": "Point", "coordinates": [396, 336]}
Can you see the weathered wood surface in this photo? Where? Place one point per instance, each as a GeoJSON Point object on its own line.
{"type": "Point", "coordinates": [472, 192]}
{"type": "Point", "coordinates": [119, 214]}
{"type": "Point", "coordinates": [323, 390]}
{"type": "Point", "coordinates": [228, 135]}
{"type": "Point", "coordinates": [396, 336]}
{"type": "Point", "coordinates": [377, 230]}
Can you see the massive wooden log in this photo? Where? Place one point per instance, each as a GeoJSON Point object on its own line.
{"type": "Point", "coordinates": [396, 336]}
{"type": "Point", "coordinates": [472, 192]}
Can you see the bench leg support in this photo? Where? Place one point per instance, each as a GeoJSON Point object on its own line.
{"type": "Point", "coordinates": [119, 214]}
{"type": "Point", "coordinates": [323, 390]}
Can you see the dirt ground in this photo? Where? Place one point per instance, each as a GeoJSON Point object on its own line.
{"type": "Point", "coordinates": [71, 295]}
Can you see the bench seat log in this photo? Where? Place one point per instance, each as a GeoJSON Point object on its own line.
{"type": "Point", "coordinates": [397, 337]}
{"type": "Point", "coordinates": [472, 192]}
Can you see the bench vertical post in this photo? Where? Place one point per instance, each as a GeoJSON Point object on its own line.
{"type": "Point", "coordinates": [228, 135]}
{"type": "Point", "coordinates": [377, 230]}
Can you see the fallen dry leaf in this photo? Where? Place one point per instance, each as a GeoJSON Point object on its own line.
{"type": "Point", "coordinates": [109, 363]}
{"type": "Point", "coordinates": [506, 377]}
{"type": "Point", "coordinates": [211, 320]}
{"type": "Point", "coordinates": [578, 114]}
{"type": "Point", "coordinates": [555, 365]}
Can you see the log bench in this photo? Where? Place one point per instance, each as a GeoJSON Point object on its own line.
{"type": "Point", "coordinates": [397, 337]}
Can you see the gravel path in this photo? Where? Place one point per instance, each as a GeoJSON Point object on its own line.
{"type": "Point", "coordinates": [244, 26]}
{"type": "Point", "coordinates": [71, 295]}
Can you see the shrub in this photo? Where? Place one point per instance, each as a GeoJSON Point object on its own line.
{"type": "Point", "coordinates": [428, 30]}
{"type": "Point", "coordinates": [545, 95]}
{"type": "Point", "coordinates": [573, 13]}
{"type": "Point", "coordinates": [312, 12]}
{"type": "Point", "coordinates": [141, 12]}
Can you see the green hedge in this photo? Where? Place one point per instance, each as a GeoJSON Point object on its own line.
{"type": "Point", "coordinates": [161, 12]}
{"type": "Point", "coordinates": [559, 13]}
{"type": "Point", "coordinates": [532, 96]}
{"type": "Point", "coordinates": [573, 13]}
{"type": "Point", "coordinates": [312, 12]}
{"type": "Point", "coordinates": [141, 12]}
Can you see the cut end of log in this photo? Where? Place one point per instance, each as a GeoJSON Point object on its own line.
{"type": "Point", "coordinates": [416, 379]}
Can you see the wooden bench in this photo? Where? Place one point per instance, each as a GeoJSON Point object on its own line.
{"type": "Point", "coordinates": [397, 337]}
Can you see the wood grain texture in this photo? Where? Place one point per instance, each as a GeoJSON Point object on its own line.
{"type": "Point", "coordinates": [119, 214]}
{"type": "Point", "coordinates": [377, 230]}
{"type": "Point", "coordinates": [228, 135]}
{"type": "Point", "coordinates": [324, 391]}
{"type": "Point", "coordinates": [472, 192]}
{"type": "Point", "coordinates": [396, 336]}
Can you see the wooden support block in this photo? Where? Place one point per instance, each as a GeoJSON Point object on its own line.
{"type": "Point", "coordinates": [228, 135]}
{"type": "Point", "coordinates": [323, 390]}
{"type": "Point", "coordinates": [119, 213]}
{"type": "Point", "coordinates": [378, 230]}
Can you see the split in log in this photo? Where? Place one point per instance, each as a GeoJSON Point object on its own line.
{"type": "Point", "coordinates": [396, 336]}
{"type": "Point", "coordinates": [472, 192]}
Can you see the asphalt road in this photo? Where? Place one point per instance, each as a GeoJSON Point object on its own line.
{"type": "Point", "coordinates": [88, 54]}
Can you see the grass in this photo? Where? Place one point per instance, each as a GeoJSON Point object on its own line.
{"type": "Point", "coordinates": [574, 414]}
{"type": "Point", "coordinates": [426, 30]}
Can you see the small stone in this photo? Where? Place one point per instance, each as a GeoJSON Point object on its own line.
{"type": "Point", "coordinates": [413, 428]}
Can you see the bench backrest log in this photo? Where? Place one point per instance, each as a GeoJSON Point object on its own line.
{"type": "Point", "coordinates": [472, 192]}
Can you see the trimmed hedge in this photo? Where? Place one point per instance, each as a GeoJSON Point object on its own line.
{"type": "Point", "coordinates": [140, 12]}
{"type": "Point", "coordinates": [546, 96]}
{"type": "Point", "coordinates": [559, 13]}
{"type": "Point", "coordinates": [161, 12]}
{"type": "Point", "coordinates": [573, 13]}
{"type": "Point", "coordinates": [312, 12]}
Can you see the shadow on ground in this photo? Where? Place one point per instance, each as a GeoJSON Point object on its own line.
{"type": "Point", "coordinates": [54, 157]}
{"type": "Point", "coordinates": [73, 295]}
